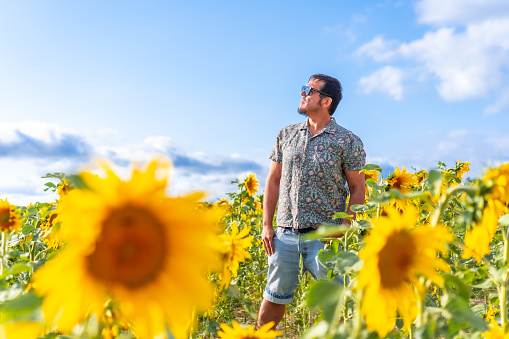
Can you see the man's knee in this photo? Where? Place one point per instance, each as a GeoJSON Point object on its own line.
{"type": "Point", "coordinates": [270, 311]}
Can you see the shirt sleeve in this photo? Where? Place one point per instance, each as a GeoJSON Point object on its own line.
{"type": "Point", "coordinates": [276, 155]}
{"type": "Point", "coordinates": [354, 155]}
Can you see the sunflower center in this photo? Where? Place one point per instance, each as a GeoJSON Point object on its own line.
{"type": "Point", "coordinates": [5, 214]}
{"type": "Point", "coordinates": [398, 183]}
{"type": "Point", "coordinates": [131, 248]}
{"type": "Point", "coordinates": [395, 259]}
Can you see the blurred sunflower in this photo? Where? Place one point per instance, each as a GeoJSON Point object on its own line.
{"type": "Point", "coordinates": [490, 314]}
{"type": "Point", "coordinates": [222, 203]}
{"type": "Point", "coordinates": [130, 242]}
{"type": "Point", "coordinates": [498, 180]}
{"type": "Point", "coordinates": [9, 217]}
{"type": "Point", "coordinates": [251, 184]}
{"type": "Point", "coordinates": [402, 181]}
{"type": "Point", "coordinates": [24, 329]}
{"type": "Point", "coordinates": [478, 239]}
{"type": "Point", "coordinates": [238, 332]}
{"type": "Point", "coordinates": [371, 174]}
{"type": "Point", "coordinates": [421, 176]}
{"type": "Point", "coordinates": [463, 167]}
{"type": "Point", "coordinates": [396, 253]}
{"type": "Point", "coordinates": [235, 252]}
{"type": "Point", "coordinates": [495, 332]}
{"type": "Point", "coordinates": [63, 188]}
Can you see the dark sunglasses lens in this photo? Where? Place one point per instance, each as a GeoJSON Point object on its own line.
{"type": "Point", "coordinates": [306, 89]}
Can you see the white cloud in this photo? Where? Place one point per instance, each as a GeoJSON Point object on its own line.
{"type": "Point", "coordinates": [387, 79]}
{"type": "Point", "coordinates": [462, 12]}
{"type": "Point", "coordinates": [465, 63]}
{"type": "Point", "coordinates": [482, 148]}
{"type": "Point", "coordinates": [379, 49]}
{"type": "Point", "coordinates": [501, 103]}
{"type": "Point", "coordinates": [52, 149]}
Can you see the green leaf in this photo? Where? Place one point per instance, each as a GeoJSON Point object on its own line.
{"type": "Point", "coordinates": [233, 291]}
{"type": "Point", "coordinates": [27, 228]}
{"type": "Point", "coordinates": [342, 262]}
{"type": "Point", "coordinates": [325, 231]}
{"type": "Point", "coordinates": [434, 181]}
{"type": "Point", "coordinates": [371, 167]}
{"type": "Point", "coordinates": [460, 313]}
{"type": "Point", "coordinates": [372, 183]}
{"type": "Point", "coordinates": [359, 208]}
{"type": "Point", "coordinates": [58, 175]}
{"type": "Point", "coordinates": [504, 220]}
{"type": "Point", "coordinates": [16, 269]}
{"type": "Point", "coordinates": [327, 296]}
{"type": "Point", "coordinates": [12, 292]}
{"type": "Point", "coordinates": [25, 306]}
{"type": "Point", "coordinates": [76, 181]}
{"type": "Point", "coordinates": [320, 330]}
{"type": "Point", "coordinates": [364, 224]}
{"type": "Point", "coordinates": [345, 261]}
{"type": "Point", "coordinates": [343, 215]}
{"type": "Point", "coordinates": [454, 281]}
{"type": "Point", "coordinates": [498, 274]}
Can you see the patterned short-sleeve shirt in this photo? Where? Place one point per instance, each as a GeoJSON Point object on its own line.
{"type": "Point", "coordinates": [312, 188]}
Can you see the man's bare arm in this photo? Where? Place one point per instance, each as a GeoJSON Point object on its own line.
{"type": "Point", "coordinates": [356, 182]}
{"type": "Point", "coordinates": [270, 198]}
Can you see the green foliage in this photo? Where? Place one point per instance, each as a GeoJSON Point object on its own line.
{"type": "Point", "coordinates": [321, 309]}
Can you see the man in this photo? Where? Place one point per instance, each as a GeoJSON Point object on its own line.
{"type": "Point", "coordinates": [311, 163]}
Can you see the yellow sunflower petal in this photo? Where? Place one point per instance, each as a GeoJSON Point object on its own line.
{"type": "Point", "coordinates": [130, 242]}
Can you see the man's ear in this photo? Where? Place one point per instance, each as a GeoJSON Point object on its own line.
{"type": "Point", "coordinates": [326, 102]}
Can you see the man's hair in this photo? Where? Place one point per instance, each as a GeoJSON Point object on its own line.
{"type": "Point", "coordinates": [331, 86]}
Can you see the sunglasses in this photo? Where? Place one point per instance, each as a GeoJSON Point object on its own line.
{"type": "Point", "coordinates": [308, 89]}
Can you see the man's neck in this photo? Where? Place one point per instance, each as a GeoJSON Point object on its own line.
{"type": "Point", "coordinates": [318, 122]}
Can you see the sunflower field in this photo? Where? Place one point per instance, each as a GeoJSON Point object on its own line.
{"type": "Point", "coordinates": [427, 256]}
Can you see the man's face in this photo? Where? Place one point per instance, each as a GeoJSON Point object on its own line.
{"type": "Point", "coordinates": [311, 102]}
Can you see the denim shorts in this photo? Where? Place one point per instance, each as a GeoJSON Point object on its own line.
{"type": "Point", "coordinates": [284, 267]}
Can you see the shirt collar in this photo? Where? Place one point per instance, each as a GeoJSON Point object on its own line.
{"type": "Point", "coordinates": [331, 127]}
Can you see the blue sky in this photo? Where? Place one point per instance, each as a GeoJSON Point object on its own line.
{"type": "Point", "coordinates": [209, 84]}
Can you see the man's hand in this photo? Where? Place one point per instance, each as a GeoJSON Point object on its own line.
{"type": "Point", "coordinates": [268, 235]}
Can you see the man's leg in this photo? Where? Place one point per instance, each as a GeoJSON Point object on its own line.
{"type": "Point", "coordinates": [270, 311]}
{"type": "Point", "coordinates": [282, 277]}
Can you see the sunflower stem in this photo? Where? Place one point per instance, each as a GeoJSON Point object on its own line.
{"type": "Point", "coordinates": [445, 198]}
{"type": "Point", "coordinates": [503, 285]}
{"type": "Point", "coordinates": [345, 279]}
{"type": "Point", "coordinates": [358, 317]}
{"type": "Point", "coordinates": [4, 251]}
{"type": "Point", "coordinates": [420, 307]}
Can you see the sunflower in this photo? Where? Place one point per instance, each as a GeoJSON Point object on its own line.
{"type": "Point", "coordinates": [64, 188]}
{"type": "Point", "coordinates": [402, 181]}
{"type": "Point", "coordinates": [235, 245]}
{"type": "Point", "coordinates": [495, 332]}
{"type": "Point", "coordinates": [9, 218]}
{"type": "Point", "coordinates": [464, 167]}
{"type": "Point", "coordinates": [421, 176]}
{"type": "Point", "coordinates": [238, 332]}
{"type": "Point", "coordinates": [478, 239]}
{"type": "Point", "coordinates": [490, 314]}
{"type": "Point", "coordinates": [52, 237]}
{"type": "Point", "coordinates": [130, 242]}
{"type": "Point", "coordinates": [396, 253]}
{"type": "Point", "coordinates": [222, 203]}
{"type": "Point", "coordinates": [251, 184]}
{"type": "Point", "coordinates": [498, 180]}
{"type": "Point", "coordinates": [370, 174]}
{"type": "Point", "coordinates": [24, 329]}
